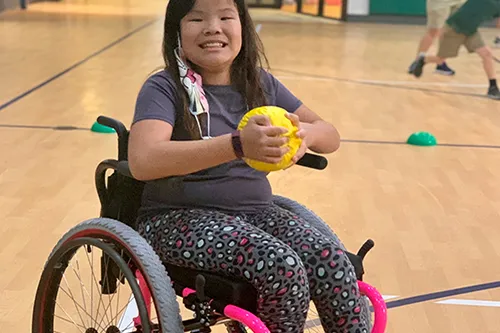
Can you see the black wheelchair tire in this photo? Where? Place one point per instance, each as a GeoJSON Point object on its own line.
{"type": "Point", "coordinates": [164, 297]}
{"type": "Point", "coordinates": [309, 216]}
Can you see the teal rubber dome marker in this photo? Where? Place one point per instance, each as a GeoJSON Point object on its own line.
{"type": "Point", "coordinates": [422, 139]}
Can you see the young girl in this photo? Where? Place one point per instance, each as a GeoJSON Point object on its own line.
{"type": "Point", "coordinates": [203, 206]}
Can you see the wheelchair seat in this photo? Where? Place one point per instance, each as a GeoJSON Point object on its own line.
{"type": "Point", "coordinates": [227, 289]}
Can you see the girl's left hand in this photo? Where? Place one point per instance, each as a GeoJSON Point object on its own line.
{"type": "Point", "coordinates": [301, 133]}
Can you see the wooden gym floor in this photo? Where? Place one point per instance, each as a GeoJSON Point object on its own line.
{"type": "Point", "coordinates": [432, 211]}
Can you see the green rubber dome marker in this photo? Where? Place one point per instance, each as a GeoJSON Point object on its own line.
{"type": "Point", "coordinates": [422, 139]}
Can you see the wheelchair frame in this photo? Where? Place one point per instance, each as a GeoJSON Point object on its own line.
{"type": "Point", "coordinates": [120, 197]}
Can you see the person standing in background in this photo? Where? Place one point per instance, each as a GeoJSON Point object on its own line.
{"type": "Point", "coordinates": [462, 29]}
{"type": "Point", "coordinates": [437, 13]}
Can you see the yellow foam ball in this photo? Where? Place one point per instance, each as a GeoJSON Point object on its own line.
{"type": "Point", "coordinates": [277, 118]}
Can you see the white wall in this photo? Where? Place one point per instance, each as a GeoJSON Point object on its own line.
{"type": "Point", "coordinates": [358, 7]}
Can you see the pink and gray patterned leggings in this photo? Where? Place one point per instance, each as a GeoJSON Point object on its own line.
{"type": "Point", "coordinates": [288, 261]}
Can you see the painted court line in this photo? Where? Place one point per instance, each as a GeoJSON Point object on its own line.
{"type": "Point", "coordinates": [470, 302]}
{"type": "Point", "coordinates": [432, 296]}
{"type": "Point", "coordinates": [55, 128]}
{"type": "Point", "coordinates": [442, 294]}
{"type": "Point", "coordinates": [422, 83]}
{"type": "Point", "coordinates": [388, 82]}
{"type": "Point", "coordinates": [388, 297]}
{"type": "Point", "coordinates": [456, 301]}
{"type": "Point", "coordinates": [457, 145]}
{"type": "Point", "coordinates": [73, 128]}
{"type": "Point", "coordinates": [119, 40]}
{"type": "Point", "coordinates": [422, 87]}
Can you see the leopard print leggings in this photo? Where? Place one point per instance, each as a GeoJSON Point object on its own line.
{"type": "Point", "coordinates": [287, 260]}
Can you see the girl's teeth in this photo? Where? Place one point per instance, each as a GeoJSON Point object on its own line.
{"type": "Point", "coordinates": [213, 45]}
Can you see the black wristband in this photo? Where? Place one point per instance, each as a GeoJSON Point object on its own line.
{"type": "Point", "coordinates": [236, 141]}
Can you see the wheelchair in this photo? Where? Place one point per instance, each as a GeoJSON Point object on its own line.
{"type": "Point", "coordinates": [111, 245]}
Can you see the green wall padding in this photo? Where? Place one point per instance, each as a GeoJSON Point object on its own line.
{"type": "Point", "coordinates": [398, 7]}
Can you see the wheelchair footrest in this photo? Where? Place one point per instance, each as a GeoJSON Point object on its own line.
{"type": "Point", "coordinates": [229, 290]}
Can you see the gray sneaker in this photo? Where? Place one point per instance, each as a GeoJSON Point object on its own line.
{"type": "Point", "coordinates": [494, 93]}
{"type": "Point", "coordinates": [417, 67]}
{"type": "Point", "coordinates": [496, 43]}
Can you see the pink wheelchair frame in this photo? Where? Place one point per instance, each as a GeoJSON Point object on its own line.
{"type": "Point", "coordinates": [256, 325]}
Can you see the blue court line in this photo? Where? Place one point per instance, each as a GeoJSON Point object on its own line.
{"type": "Point", "coordinates": [71, 127]}
{"type": "Point", "coordinates": [442, 294]}
{"type": "Point", "coordinates": [119, 40]}
{"type": "Point", "coordinates": [425, 297]}
{"type": "Point", "coordinates": [459, 145]}
{"type": "Point", "coordinates": [55, 128]}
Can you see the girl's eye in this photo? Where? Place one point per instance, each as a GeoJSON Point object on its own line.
{"type": "Point", "coordinates": [195, 20]}
{"type": "Point", "coordinates": [227, 18]}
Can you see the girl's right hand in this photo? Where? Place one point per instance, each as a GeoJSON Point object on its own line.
{"type": "Point", "coordinates": [261, 141]}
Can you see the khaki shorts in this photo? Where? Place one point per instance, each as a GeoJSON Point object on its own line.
{"type": "Point", "coordinates": [436, 18]}
{"type": "Point", "coordinates": [450, 42]}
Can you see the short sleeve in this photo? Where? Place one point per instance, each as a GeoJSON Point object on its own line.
{"type": "Point", "coordinates": [156, 99]}
{"type": "Point", "coordinates": [280, 94]}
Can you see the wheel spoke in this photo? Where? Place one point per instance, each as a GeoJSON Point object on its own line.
{"type": "Point", "coordinates": [57, 304]}
{"type": "Point", "coordinates": [82, 285]}
{"type": "Point", "coordinates": [113, 253]}
{"type": "Point", "coordinates": [97, 285]}
{"type": "Point", "coordinates": [90, 316]}
{"type": "Point", "coordinates": [70, 295]}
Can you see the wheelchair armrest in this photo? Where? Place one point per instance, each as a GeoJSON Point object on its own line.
{"type": "Point", "coordinates": [124, 170]}
{"type": "Point", "coordinates": [308, 160]}
{"type": "Point", "coordinates": [100, 176]}
{"type": "Point", "coordinates": [122, 133]}
{"type": "Point", "coordinates": [120, 166]}
{"type": "Point", "coordinates": [117, 125]}
{"type": "Point", "coordinates": [313, 161]}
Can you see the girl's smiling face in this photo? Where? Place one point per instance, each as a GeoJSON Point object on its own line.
{"type": "Point", "coordinates": [211, 35]}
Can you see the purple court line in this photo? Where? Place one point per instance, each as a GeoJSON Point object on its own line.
{"type": "Point", "coordinates": [70, 128]}
{"type": "Point", "coordinates": [426, 297]}
{"type": "Point", "coordinates": [119, 40]}
{"type": "Point", "coordinates": [458, 145]}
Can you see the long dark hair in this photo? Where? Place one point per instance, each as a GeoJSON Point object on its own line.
{"type": "Point", "coordinates": [245, 70]}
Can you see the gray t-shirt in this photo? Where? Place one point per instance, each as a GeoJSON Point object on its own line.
{"type": "Point", "coordinates": [232, 186]}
